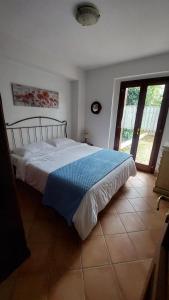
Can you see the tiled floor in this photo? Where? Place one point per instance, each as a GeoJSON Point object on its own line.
{"type": "Point", "coordinates": [117, 253]}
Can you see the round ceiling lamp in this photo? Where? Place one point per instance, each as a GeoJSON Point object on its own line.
{"type": "Point", "coordinates": [87, 14]}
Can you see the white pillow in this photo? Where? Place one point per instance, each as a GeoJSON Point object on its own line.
{"type": "Point", "coordinates": [62, 142]}
{"type": "Point", "coordinates": [33, 148]}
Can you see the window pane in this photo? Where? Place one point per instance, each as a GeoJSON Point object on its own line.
{"type": "Point", "coordinates": [148, 128]}
{"type": "Point", "coordinates": [129, 116]}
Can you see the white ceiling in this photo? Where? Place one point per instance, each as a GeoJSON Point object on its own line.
{"type": "Point", "coordinates": [127, 29]}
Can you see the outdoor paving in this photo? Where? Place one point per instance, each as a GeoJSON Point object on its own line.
{"type": "Point", "coordinates": [143, 150]}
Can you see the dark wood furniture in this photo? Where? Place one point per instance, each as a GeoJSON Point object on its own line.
{"type": "Point", "coordinates": [13, 248]}
{"type": "Point", "coordinates": [157, 282]}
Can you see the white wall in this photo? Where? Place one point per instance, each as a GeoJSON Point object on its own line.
{"type": "Point", "coordinates": [78, 89]}
{"type": "Point", "coordinates": [99, 86]}
{"type": "Point", "coordinates": [103, 84]}
{"type": "Point", "coordinates": [19, 51]}
{"type": "Point", "coordinates": [74, 96]}
{"type": "Point", "coordinates": [19, 73]}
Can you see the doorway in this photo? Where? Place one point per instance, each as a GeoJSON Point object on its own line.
{"type": "Point", "coordinates": [141, 117]}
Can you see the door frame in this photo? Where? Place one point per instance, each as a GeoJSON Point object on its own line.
{"type": "Point", "coordinates": [143, 84]}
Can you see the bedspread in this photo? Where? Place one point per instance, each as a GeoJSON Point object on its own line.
{"type": "Point", "coordinates": [67, 186]}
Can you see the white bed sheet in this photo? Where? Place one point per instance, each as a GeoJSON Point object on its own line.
{"type": "Point", "coordinates": [35, 169]}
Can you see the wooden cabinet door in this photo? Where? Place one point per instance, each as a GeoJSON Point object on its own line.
{"type": "Point", "coordinates": [13, 248]}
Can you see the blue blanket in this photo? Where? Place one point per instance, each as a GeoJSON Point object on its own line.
{"type": "Point", "coordinates": [66, 186]}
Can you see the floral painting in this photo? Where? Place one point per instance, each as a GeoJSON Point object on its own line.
{"type": "Point", "coordinates": [31, 96]}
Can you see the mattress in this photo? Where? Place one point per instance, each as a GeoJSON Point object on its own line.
{"type": "Point", "coordinates": [35, 169]}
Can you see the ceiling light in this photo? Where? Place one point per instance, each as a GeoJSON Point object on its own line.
{"type": "Point", "coordinates": [87, 14]}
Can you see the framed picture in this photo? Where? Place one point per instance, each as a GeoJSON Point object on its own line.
{"type": "Point", "coordinates": [31, 96]}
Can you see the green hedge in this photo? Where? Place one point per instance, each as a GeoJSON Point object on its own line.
{"type": "Point", "coordinates": [127, 134]}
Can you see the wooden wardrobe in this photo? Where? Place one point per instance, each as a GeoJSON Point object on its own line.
{"type": "Point", "coordinates": [13, 248]}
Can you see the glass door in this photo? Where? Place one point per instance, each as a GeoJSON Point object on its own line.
{"type": "Point", "coordinates": [142, 112]}
{"type": "Point", "coordinates": [154, 97]}
{"type": "Point", "coordinates": [131, 100]}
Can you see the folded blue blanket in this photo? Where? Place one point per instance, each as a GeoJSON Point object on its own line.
{"type": "Point", "coordinates": [66, 186]}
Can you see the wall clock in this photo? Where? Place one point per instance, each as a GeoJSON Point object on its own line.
{"type": "Point", "coordinates": [96, 107]}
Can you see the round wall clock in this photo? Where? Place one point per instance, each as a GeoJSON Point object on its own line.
{"type": "Point", "coordinates": [96, 107]}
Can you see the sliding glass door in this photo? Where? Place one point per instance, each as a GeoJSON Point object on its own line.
{"type": "Point", "coordinates": [142, 112]}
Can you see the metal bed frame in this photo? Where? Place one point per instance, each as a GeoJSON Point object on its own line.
{"type": "Point", "coordinates": [33, 134]}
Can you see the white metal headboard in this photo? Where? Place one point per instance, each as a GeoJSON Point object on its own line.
{"type": "Point", "coordinates": [26, 133]}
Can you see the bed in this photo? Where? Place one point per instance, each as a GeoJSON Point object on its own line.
{"type": "Point", "coordinates": [54, 151]}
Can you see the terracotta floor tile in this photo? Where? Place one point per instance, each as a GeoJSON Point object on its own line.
{"type": "Point", "coordinates": [45, 214]}
{"type": "Point", "coordinates": [132, 222]}
{"type": "Point", "coordinates": [120, 193]}
{"type": "Point", "coordinates": [131, 193]}
{"type": "Point", "coordinates": [140, 204]}
{"type": "Point", "coordinates": [147, 179]}
{"type": "Point", "coordinates": [156, 235]}
{"type": "Point", "coordinates": [97, 230]}
{"type": "Point", "coordinates": [31, 287]}
{"type": "Point", "coordinates": [123, 205]}
{"type": "Point", "coordinates": [39, 259]}
{"type": "Point", "coordinates": [152, 201]}
{"type": "Point", "coordinates": [28, 193]}
{"type": "Point", "coordinates": [7, 287]}
{"type": "Point", "coordinates": [132, 277]}
{"type": "Point", "coordinates": [146, 192]}
{"type": "Point", "coordinates": [144, 244]}
{"type": "Point", "coordinates": [94, 252]}
{"type": "Point", "coordinates": [121, 248]}
{"type": "Point", "coordinates": [61, 228]}
{"type": "Point", "coordinates": [135, 182]}
{"type": "Point", "coordinates": [101, 283]}
{"type": "Point", "coordinates": [152, 220]}
{"type": "Point", "coordinates": [66, 253]}
{"type": "Point", "coordinates": [66, 285]}
{"type": "Point", "coordinates": [148, 184]}
{"type": "Point", "coordinates": [54, 272]}
{"type": "Point", "coordinates": [111, 224]}
{"type": "Point", "coordinates": [28, 213]}
{"type": "Point", "coordinates": [128, 184]}
{"type": "Point", "coordinates": [28, 201]}
{"type": "Point", "coordinates": [110, 207]}
{"type": "Point", "coordinates": [41, 231]}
